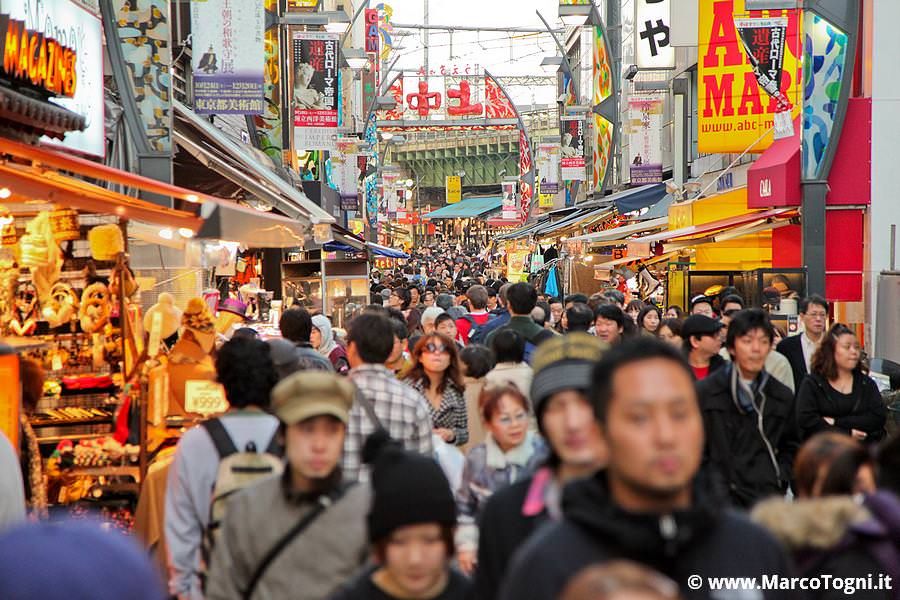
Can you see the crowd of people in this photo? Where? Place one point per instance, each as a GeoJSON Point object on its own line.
{"type": "Point", "coordinates": [468, 437]}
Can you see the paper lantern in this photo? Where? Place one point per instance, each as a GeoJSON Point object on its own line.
{"type": "Point", "coordinates": [106, 242]}
{"type": "Point", "coordinates": [9, 237]}
{"type": "Point", "coordinates": [64, 223]}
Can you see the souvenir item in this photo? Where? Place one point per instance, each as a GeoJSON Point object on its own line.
{"type": "Point", "coordinates": [61, 306]}
{"type": "Point", "coordinates": [25, 315]}
{"type": "Point", "coordinates": [95, 308]}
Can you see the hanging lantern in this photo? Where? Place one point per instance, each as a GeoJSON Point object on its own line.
{"type": "Point", "coordinates": [9, 236]}
{"type": "Point", "coordinates": [64, 223]}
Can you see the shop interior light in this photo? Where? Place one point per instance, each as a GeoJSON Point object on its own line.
{"type": "Point", "coordinates": [5, 193]}
{"type": "Point", "coordinates": [410, 183]}
{"type": "Point", "coordinates": [6, 219]}
{"type": "Point", "coordinates": [185, 232]}
{"type": "Point", "coordinates": [166, 234]}
{"type": "Point", "coordinates": [192, 198]}
{"type": "Point", "coordinates": [589, 258]}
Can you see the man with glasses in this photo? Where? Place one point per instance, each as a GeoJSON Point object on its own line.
{"type": "Point", "coordinates": [799, 349]}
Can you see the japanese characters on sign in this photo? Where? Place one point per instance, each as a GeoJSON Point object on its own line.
{"type": "Point", "coordinates": [734, 111]}
{"type": "Point", "coordinates": [315, 89]}
{"type": "Point", "coordinates": [302, 5]}
{"type": "Point", "coordinates": [652, 22]}
{"type": "Point", "coordinates": [510, 203]}
{"type": "Point", "coordinates": [548, 169]}
{"type": "Point", "coordinates": [644, 129]}
{"type": "Point", "coordinates": [454, 189]}
{"type": "Point", "coordinates": [461, 98]}
{"type": "Point", "coordinates": [229, 56]}
{"type": "Point", "coordinates": [572, 150]}
{"type": "Point", "coordinates": [763, 41]}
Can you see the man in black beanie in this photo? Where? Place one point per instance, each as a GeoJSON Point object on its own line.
{"type": "Point", "coordinates": [411, 525]}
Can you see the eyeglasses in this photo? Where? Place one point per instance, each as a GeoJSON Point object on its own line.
{"type": "Point", "coordinates": [507, 420]}
{"type": "Point", "coordinates": [435, 348]}
{"type": "Point", "coordinates": [817, 315]}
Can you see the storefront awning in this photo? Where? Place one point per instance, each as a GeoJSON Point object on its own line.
{"type": "Point", "coordinates": [501, 222]}
{"type": "Point", "coordinates": [638, 198]}
{"type": "Point", "coordinates": [581, 218]}
{"type": "Point", "coordinates": [774, 179]}
{"type": "Point", "coordinates": [658, 210]}
{"type": "Point", "coordinates": [214, 149]}
{"type": "Point", "coordinates": [526, 230]}
{"type": "Point", "coordinates": [470, 207]}
{"type": "Point", "coordinates": [714, 226]}
{"type": "Point", "coordinates": [616, 236]}
{"type": "Point", "coordinates": [250, 227]}
{"type": "Point", "coordinates": [379, 250]}
{"type": "Point", "coordinates": [37, 117]}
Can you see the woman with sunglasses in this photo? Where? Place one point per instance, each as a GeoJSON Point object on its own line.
{"type": "Point", "coordinates": [838, 395]}
{"type": "Point", "coordinates": [436, 374]}
{"type": "Point", "coordinates": [510, 452]}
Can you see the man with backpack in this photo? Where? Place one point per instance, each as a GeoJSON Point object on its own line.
{"type": "Point", "coordinates": [244, 368]}
{"type": "Point", "coordinates": [300, 535]}
{"type": "Point", "coordinates": [478, 316]}
{"type": "Point", "coordinates": [521, 299]}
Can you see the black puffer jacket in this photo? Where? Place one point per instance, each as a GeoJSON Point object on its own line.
{"type": "Point", "coordinates": [752, 457]}
{"type": "Point", "coordinates": [704, 540]}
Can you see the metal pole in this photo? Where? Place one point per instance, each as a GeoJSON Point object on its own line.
{"type": "Point", "coordinates": [425, 35]}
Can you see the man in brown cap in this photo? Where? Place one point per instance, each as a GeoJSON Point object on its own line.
{"type": "Point", "coordinates": [301, 534]}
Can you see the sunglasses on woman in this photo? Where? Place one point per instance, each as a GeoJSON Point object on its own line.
{"type": "Point", "coordinates": [434, 348]}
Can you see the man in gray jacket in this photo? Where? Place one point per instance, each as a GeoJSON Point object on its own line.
{"type": "Point", "coordinates": [263, 551]}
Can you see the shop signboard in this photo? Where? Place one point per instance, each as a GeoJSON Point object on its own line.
{"type": "Point", "coordinates": [10, 398]}
{"type": "Point", "coordinates": [548, 168]}
{"type": "Point", "coordinates": [454, 189]}
{"type": "Point", "coordinates": [545, 200]}
{"type": "Point", "coordinates": [735, 112]}
{"type": "Point", "coordinates": [315, 89]}
{"type": "Point", "coordinates": [644, 130]}
{"type": "Point", "coordinates": [371, 30]}
{"type": "Point", "coordinates": [572, 151]}
{"type": "Point", "coordinates": [510, 204]}
{"type": "Point", "coordinates": [68, 64]}
{"type": "Point", "coordinates": [302, 5]}
{"type": "Point", "coordinates": [229, 56]}
{"type": "Point", "coordinates": [653, 21]}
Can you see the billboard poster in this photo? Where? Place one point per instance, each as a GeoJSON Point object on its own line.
{"type": "Point", "coordinates": [548, 168]}
{"type": "Point", "coordinates": [735, 112]}
{"type": "Point", "coordinates": [644, 130]}
{"type": "Point", "coordinates": [510, 204]}
{"type": "Point", "coordinates": [315, 90]}
{"type": "Point", "coordinates": [344, 177]}
{"type": "Point", "coordinates": [302, 5]}
{"type": "Point", "coordinates": [229, 56]}
{"type": "Point", "coordinates": [572, 150]}
{"type": "Point", "coordinates": [653, 20]}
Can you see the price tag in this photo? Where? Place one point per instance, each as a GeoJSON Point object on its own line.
{"type": "Point", "coordinates": [784, 125]}
{"type": "Point", "coordinates": [155, 334]}
{"type": "Point", "coordinates": [204, 397]}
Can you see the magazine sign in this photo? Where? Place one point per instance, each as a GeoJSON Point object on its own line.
{"type": "Point", "coordinates": [572, 149]}
{"type": "Point", "coordinates": [315, 89]}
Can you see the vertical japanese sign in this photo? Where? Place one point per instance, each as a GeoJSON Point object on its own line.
{"type": "Point", "coordinates": [572, 150]}
{"type": "Point", "coordinates": [510, 204]}
{"type": "Point", "coordinates": [315, 90]}
{"type": "Point", "coordinates": [229, 56]}
{"type": "Point", "coordinates": [734, 111]}
{"type": "Point", "coordinates": [763, 41]}
{"type": "Point", "coordinates": [462, 99]}
{"type": "Point", "coordinates": [548, 168]}
{"type": "Point", "coordinates": [454, 188]}
{"type": "Point", "coordinates": [644, 129]}
{"type": "Point", "coordinates": [652, 20]}
{"type": "Point", "coordinates": [371, 30]}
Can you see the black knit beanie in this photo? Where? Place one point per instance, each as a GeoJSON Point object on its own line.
{"type": "Point", "coordinates": [408, 488]}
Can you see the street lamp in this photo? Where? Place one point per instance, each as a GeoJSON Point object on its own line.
{"type": "Point", "coordinates": [575, 15]}
{"type": "Point", "coordinates": [338, 22]}
{"type": "Point", "coordinates": [355, 58]}
{"type": "Point", "coordinates": [551, 64]}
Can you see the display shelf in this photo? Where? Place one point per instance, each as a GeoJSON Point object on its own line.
{"type": "Point", "coordinates": [38, 423]}
{"type": "Point", "coordinates": [55, 439]}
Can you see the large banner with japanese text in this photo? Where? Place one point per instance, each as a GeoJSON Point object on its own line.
{"type": "Point", "coordinates": [315, 89]}
{"type": "Point", "coordinates": [735, 112]}
{"type": "Point", "coordinates": [548, 168]}
{"type": "Point", "coordinates": [644, 131]}
{"type": "Point", "coordinates": [229, 56]}
{"type": "Point", "coordinates": [572, 151]}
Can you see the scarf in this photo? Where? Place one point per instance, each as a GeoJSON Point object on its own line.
{"type": "Point", "coordinates": [327, 346]}
{"type": "Point", "coordinates": [744, 396]}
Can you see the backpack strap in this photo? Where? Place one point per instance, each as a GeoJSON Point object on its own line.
{"type": "Point", "coordinates": [324, 501]}
{"type": "Point", "coordinates": [223, 442]}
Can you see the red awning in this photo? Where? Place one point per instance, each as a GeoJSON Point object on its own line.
{"type": "Point", "coordinates": [774, 179]}
{"type": "Point", "coordinates": [499, 222]}
{"type": "Point", "coordinates": [712, 226]}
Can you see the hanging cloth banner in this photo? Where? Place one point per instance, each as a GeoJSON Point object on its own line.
{"type": "Point", "coordinates": [764, 41]}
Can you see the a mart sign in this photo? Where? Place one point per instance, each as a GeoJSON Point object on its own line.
{"type": "Point", "coordinates": [734, 112]}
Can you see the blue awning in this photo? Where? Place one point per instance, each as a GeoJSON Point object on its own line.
{"type": "Point", "coordinates": [660, 209]}
{"type": "Point", "coordinates": [379, 250]}
{"type": "Point", "coordinates": [470, 207]}
{"type": "Point", "coordinates": [638, 198]}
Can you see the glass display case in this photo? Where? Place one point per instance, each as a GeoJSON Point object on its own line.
{"type": "Point", "coordinates": [325, 282]}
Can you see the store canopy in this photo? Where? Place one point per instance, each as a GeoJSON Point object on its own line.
{"type": "Point", "coordinates": [612, 237]}
{"type": "Point", "coordinates": [581, 218]}
{"type": "Point", "coordinates": [523, 231]}
{"type": "Point", "coordinates": [37, 117]}
{"type": "Point", "coordinates": [379, 250]}
{"type": "Point", "coordinates": [658, 210]}
{"type": "Point", "coordinates": [774, 179]}
{"type": "Point", "coordinates": [637, 198]}
{"type": "Point", "coordinates": [215, 150]}
{"type": "Point", "coordinates": [501, 222]}
{"type": "Point", "coordinates": [731, 223]}
{"type": "Point", "coordinates": [250, 227]}
{"type": "Point", "coordinates": [470, 207]}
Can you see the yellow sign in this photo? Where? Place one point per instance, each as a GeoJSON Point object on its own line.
{"type": "Point", "coordinates": [204, 397]}
{"type": "Point", "coordinates": [357, 226]}
{"type": "Point", "coordinates": [734, 112]}
{"type": "Point", "coordinates": [545, 200]}
{"type": "Point", "coordinates": [454, 189]}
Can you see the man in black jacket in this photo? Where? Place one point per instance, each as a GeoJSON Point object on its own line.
{"type": "Point", "coordinates": [562, 378]}
{"type": "Point", "coordinates": [799, 349]}
{"type": "Point", "coordinates": [648, 505]}
{"type": "Point", "coordinates": [702, 342]}
{"type": "Point", "coordinates": [751, 425]}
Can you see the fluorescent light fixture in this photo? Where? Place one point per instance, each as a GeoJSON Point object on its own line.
{"type": "Point", "coordinates": [551, 64]}
{"type": "Point", "coordinates": [356, 58]}
{"type": "Point", "coordinates": [166, 234]}
{"type": "Point", "coordinates": [5, 193]}
{"type": "Point", "coordinates": [574, 15]}
{"type": "Point", "coordinates": [185, 232]}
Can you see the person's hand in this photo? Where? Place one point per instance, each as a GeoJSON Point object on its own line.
{"type": "Point", "coordinates": [467, 561]}
{"type": "Point", "coordinates": [829, 420]}
{"type": "Point", "coordinates": [858, 435]}
{"type": "Point", "coordinates": [446, 434]}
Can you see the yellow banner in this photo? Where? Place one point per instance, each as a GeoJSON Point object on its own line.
{"type": "Point", "coordinates": [454, 189]}
{"type": "Point", "coordinates": [734, 112]}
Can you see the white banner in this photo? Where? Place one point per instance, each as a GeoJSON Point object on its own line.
{"type": "Point", "coordinates": [548, 168]}
{"type": "Point", "coordinates": [644, 130]}
{"type": "Point", "coordinates": [652, 26]}
{"type": "Point", "coordinates": [510, 202]}
{"type": "Point", "coordinates": [572, 150]}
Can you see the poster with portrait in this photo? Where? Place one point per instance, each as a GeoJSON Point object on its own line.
{"type": "Point", "coordinates": [548, 168]}
{"type": "Point", "coordinates": [644, 131]}
{"type": "Point", "coordinates": [572, 149]}
{"type": "Point", "coordinates": [315, 89]}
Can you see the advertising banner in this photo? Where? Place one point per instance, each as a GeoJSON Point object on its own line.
{"type": "Point", "coordinates": [735, 112]}
{"type": "Point", "coordinates": [74, 32]}
{"type": "Point", "coordinates": [302, 5]}
{"type": "Point", "coordinates": [548, 168]}
{"type": "Point", "coordinates": [653, 21]}
{"type": "Point", "coordinates": [454, 189]}
{"type": "Point", "coordinates": [315, 89]}
{"type": "Point", "coordinates": [644, 130]}
{"type": "Point", "coordinates": [229, 56]}
{"type": "Point", "coordinates": [572, 150]}
{"type": "Point", "coordinates": [510, 205]}
{"type": "Point", "coordinates": [371, 30]}
{"type": "Point", "coordinates": [345, 175]}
